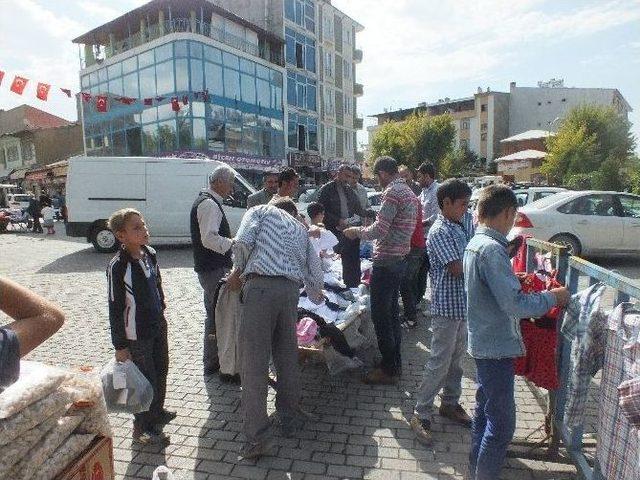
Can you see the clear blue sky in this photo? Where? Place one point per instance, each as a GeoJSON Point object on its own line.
{"type": "Point", "coordinates": [414, 50]}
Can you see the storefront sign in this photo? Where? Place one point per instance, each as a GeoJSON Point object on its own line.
{"type": "Point", "coordinates": [235, 160]}
{"type": "Point", "coordinates": [304, 159]}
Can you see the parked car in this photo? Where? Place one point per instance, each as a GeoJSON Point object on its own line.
{"type": "Point", "coordinates": [18, 201]}
{"type": "Point", "coordinates": [375, 200]}
{"type": "Point", "coordinates": [587, 222]}
{"type": "Point", "coordinates": [525, 195]}
{"type": "Point", "coordinates": [163, 189]}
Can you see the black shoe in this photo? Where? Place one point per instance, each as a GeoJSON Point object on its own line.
{"type": "Point", "coordinates": [231, 379]}
{"type": "Point", "coordinates": [165, 417]}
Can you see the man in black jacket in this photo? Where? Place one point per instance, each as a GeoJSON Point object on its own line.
{"type": "Point", "coordinates": [211, 239]}
{"type": "Point", "coordinates": [342, 209]}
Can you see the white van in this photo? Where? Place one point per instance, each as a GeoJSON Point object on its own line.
{"type": "Point", "coordinates": [162, 189]}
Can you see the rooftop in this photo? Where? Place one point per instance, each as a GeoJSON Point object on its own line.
{"type": "Point", "coordinates": [28, 118]}
{"type": "Point", "coordinates": [528, 135]}
{"type": "Point", "coordinates": [523, 155]}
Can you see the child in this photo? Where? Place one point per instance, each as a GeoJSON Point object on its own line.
{"type": "Point", "coordinates": [136, 314]}
{"type": "Point", "coordinates": [496, 304]}
{"type": "Point", "coordinates": [315, 211]}
{"type": "Point", "coordinates": [47, 218]}
{"type": "Point", "coordinates": [446, 242]}
{"type": "Point", "coordinates": [326, 240]}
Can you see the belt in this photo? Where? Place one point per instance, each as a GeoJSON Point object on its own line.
{"type": "Point", "coordinates": [253, 276]}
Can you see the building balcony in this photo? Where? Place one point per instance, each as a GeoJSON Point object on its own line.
{"type": "Point", "coordinates": [358, 90]}
{"type": "Point", "coordinates": [358, 123]}
{"type": "Point", "coordinates": [357, 55]}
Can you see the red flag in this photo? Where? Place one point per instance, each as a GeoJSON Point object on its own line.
{"type": "Point", "coordinates": [66, 91]}
{"type": "Point", "coordinates": [85, 96]}
{"type": "Point", "coordinates": [101, 103]}
{"type": "Point", "coordinates": [126, 100]}
{"type": "Point", "coordinates": [42, 91]}
{"type": "Point", "coordinates": [148, 101]}
{"type": "Point", "coordinates": [1, 76]}
{"type": "Point", "coordinates": [175, 106]}
{"type": "Point", "coordinates": [18, 85]}
{"type": "Point", "coordinates": [185, 100]}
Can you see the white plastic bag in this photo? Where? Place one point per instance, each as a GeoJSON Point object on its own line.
{"type": "Point", "coordinates": [36, 381]}
{"type": "Point", "coordinates": [162, 473]}
{"type": "Point", "coordinates": [137, 395]}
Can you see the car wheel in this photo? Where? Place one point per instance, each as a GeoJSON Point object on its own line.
{"type": "Point", "coordinates": [103, 239]}
{"type": "Point", "coordinates": [569, 241]}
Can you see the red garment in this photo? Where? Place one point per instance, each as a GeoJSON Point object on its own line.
{"type": "Point", "coordinates": [417, 239]}
{"type": "Point", "coordinates": [539, 337]}
{"type": "Point", "coordinates": [519, 262]}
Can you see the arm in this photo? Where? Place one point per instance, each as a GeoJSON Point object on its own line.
{"type": "Point", "coordinates": [160, 289]}
{"type": "Point", "coordinates": [36, 319]}
{"type": "Point", "coordinates": [443, 249]}
{"type": "Point", "coordinates": [495, 270]}
{"type": "Point", "coordinates": [430, 208]}
{"type": "Point", "coordinates": [209, 219]}
{"type": "Point", "coordinates": [117, 305]}
{"type": "Point", "coordinates": [313, 275]}
{"type": "Point", "coordinates": [324, 198]}
{"type": "Point", "coordinates": [380, 228]}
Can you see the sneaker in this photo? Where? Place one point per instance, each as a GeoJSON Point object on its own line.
{"type": "Point", "coordinates": [165, 417]}
{"type": "Point", "coordinates": [256, 450]}
{"type": "Point", "coordinates": [455, 413]}
{"type": "Point", "coordinates": [150, 437]}
{"type": "Point", "coordinates": [378, 376]}
{"type": "Point", "coordinates": [422, 429]}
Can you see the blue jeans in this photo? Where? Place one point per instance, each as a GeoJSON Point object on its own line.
{"type": "Point", "coordinates": [494, 422]}
{"type": "Point", "coordinates": [385, 290]}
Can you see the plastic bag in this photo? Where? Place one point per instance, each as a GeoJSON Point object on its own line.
{"type": "Point", "coordinates": [36, 413]}
{"type": "Point", "coordinates": [36, 381]}
{"type": "Point", "coordinates": [137, 394]}
{"type": "Point", "coordinates": [15, 451]}
{"type": "Point", "coordinates": [337, 363]}
{"type": "Point", "coordinates": [162, 473]}
{"type": "Point", "coordinates": [63, 456]}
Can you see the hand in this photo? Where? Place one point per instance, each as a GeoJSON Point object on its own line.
{"type": "Point", "coordinates": [234, 282]}
{"type": "Point", "coordinates": [316, 299]}
{"type": "Point", "coordinates": [562, 296]}
{"type": "Point", "coordinates": [123, 355]}
{"type": "Point", "coordinates": [342, 224]}
{"type": "Point", "coordinates": [351, 233]}
{"type": "Point", "coordinates": [314, 232]}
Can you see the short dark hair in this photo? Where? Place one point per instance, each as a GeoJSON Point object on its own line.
{"type": "Point", "coordinates": [286, 175]}
{"type": "Point", "coordinates": [385, 164]}
{"type": "Point", "coordinates": [494, 200]}
{"type": "Point", "coordinates": [314, 209]}
{"type": "Point", "coordinates": [270, 173]}
{"type": "Point", "coordinates": [286, 204]}
{"type": "Point", "coordinates": [427, 168]}
{"type": "Point", "coordinates": [453, 189]}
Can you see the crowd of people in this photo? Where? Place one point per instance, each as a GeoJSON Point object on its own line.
{"type": "Point", "coordinates": [423, 228]}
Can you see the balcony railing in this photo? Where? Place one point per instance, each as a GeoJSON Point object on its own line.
{"type": "Point", "coordinates": [358, 89]}
{"type": "Point", "coordinates": [184, 25]}
{"type": "Point", "coordinates": [357, 55]}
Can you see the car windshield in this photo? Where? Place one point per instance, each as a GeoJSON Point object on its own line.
{"type": "Point", "coordinates": [551, 199]}
{"type": "Point", "coordinates": [21, 198]}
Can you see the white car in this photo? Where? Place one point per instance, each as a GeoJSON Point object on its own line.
{"type": "Point", "coordinates": [525, 196]}
{"type": "Point", "coordinates": [18, 201]}
{"type": "Point", "coordinates": [588, 222]}
{"type": "Point", "coordinates": [375, 200]}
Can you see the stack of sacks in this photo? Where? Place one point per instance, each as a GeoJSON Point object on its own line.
{"type": "Point", "coordinates": [48, 418]}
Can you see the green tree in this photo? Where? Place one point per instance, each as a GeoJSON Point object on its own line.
{"type": "Point", "coordinates": [392, 140]}
{"type": "Point", "coordinates": [592, 147]}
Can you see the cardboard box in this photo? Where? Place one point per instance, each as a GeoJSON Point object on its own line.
{"type": "Point", "coordinates": [96, 463]}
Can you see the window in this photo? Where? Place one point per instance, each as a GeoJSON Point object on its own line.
{"type": "Point", "coordinates": [598, 205]}
{"type": "Point", "coordinates": [231, 84]}
{"type": "Point", "coordinates": [213, 76]}
{"type": "Point", "coordinates": [329, 102]}
{"type": "Point", "coordinates": [483, 137]}
{"type": "Point", "coordinates": [464, 144]}
{"type": "Point", "coordinates": [347, 36]}
{"type": "Point", "coordinates": [215, 129]}
{"type": "Point", "coordinates": [130, 83]}
{"type": "Point", "coordinates": [163, 52]}
{"type": "Point", "coordinates": [539, 104]}
{"type": "Point", "coordinates": [148, 82]}
{"type": "Point", "coordinates": [313, 134]}
{"type": "Point", "coordinates": [248, 88]}
{"type": "Point", "coordinates": [164, 76]}
{"type": "Point", "coordinates": [464, 125]}
{"type": "Point", "coordinates": [302, 138]}
{"type": "Point", "coordinates": [301, 91]}
{"type": "Point", "coordinates": [327, 26]}
{"type": "Point", "coordinates": [522, 198]}
{"type": "Point", "coordinates": [299, 56]}
{"type": "Point", "coordinates": [540, 195]}
{"type": "Point", "coordinates": [292, 131]}
{"type": "Point", "coordinates": [348, 143]}
{"type": "Point", "coordinates": [348, 105]}
{"type": "Point", "coordinates": [182, 75]}
{"type": "Point", "coordinates": [346, 70]}
{"type": "Point", "coordinates": [330, 140]}
{"type": "Point", "coordinates": [328, 64]}
{"type": "Point", "coordinates": [483, 107]}
{"type": "Point", "coordinates": [300, 50]}
{"type": "Point", "coordinates": [630, 206]}
{"type": "Point", "coordinates": [301, 12]}
{"type": "Point", "coordinates": [197, 81]}
{"type": "Point", "coordinates": [483, 127]}
{"type": "Point", "coordinates": [564, 100]}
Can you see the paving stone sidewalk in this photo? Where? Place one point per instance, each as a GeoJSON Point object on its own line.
{"type": "Point", "coordinates": [363, 430]}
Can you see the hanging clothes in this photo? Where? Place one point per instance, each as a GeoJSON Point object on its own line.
{"type": "Point", "coordinates": [611, 344]}
{"type": "Point", "coordinates": [227, 318]}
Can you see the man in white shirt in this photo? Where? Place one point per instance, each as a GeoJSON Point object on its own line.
{"type": "Point", "coordinates": [211, 238]}
{"type": "Point", "coordinates": [426, 175]}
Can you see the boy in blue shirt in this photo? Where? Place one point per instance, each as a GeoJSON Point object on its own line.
{"type": "Point", "coordinates": [446, 242]}
{"type": "Point", "coordinates": [495, 305]}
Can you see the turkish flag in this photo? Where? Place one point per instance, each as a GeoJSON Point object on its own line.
{"type": "Point", "coordinates": [43, 91]}
{"type": "Point", "coordinates": [18, 85]}
{"type": "Point", "coordinates": [148, 101]}
{"type": "Point", "coordinates": [126, 100]}
{"type": "Point", "coordinates": [1, 76]}
{"type": "Point", "coordinates": [175, 106]}
{"type": "Point", "coordinates": [101, 103]}
{"type": "Point", "coordinates": [66, 91]}
{"type": "Point", "coordinates": [85, 96]}
{"type": "Point", "coordinates": [185, 100]}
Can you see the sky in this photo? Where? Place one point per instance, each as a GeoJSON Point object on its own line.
{"type": "Point", "coordinates": [414, 50]}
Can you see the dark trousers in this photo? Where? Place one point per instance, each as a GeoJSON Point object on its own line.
{"type": "Point", "coordinates": [494, 421]}
{"type": "Point", "coordinates": [408, 289]}
{"type": "Point", "coordinates": [421, 277]}
{"type": "Point", "coordinates": [151, 356]}
{"type": "Point", "coordinates": [350, 256]}
{"type": "Point", "coordinates": [37, 228]}
{"type": "Point", "coordinates": [384, 288]}
{"type": "Point", "coordinates": [209, 282]}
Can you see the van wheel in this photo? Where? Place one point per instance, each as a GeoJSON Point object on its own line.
{"type": "Point", "coordinates": [103, 239]}
{"type": "Point", "coordinates": [569, 241]}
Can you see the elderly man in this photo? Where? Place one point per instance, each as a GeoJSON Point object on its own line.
{"type": "Point", "coordinates": [341, 209]}
{"type": "Point", "coordinates": [392, 233]}
{"type": "Point", "coordinates": [211, 238]}
{"type": "Point", "coordinates": [262, 197]}
{"type": "Point", "coordinates": [273, 256]}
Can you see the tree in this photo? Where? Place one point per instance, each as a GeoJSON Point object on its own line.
{"type": "Point", "coordinates": [417, 139]}
{"type": "Point", "coordinates": [592, 147]}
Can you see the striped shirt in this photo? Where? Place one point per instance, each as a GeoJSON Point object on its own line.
{"type": "Point", "coordinates": [395, 224]}
{"type": "Point", "coordinates": [445, 244]}
{"type": "Point", "coordinates": [271, 242]}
